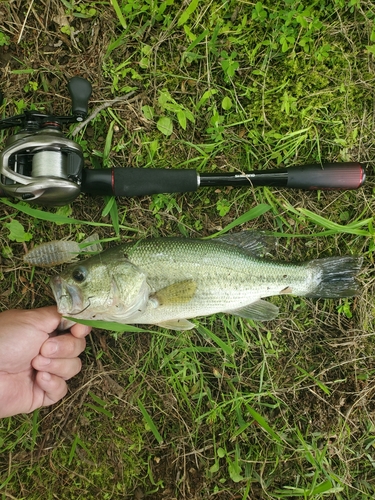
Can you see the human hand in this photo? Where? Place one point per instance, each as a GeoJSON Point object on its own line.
{"type": "Point", "coordinates": [34, 362]}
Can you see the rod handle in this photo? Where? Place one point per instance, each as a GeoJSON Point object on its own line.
{"type": "Point", "coordinates": [138, 181]}
{"type": "Point", "coordinates": [349, 175]}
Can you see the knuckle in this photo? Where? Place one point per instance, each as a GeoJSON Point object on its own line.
{"type": "Point", "coordinates": [74, 368]}
{"type": "Point", "coordinates": [70, 347]}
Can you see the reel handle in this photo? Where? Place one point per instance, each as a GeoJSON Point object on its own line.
{"type": "Point", "coordinates": [80, 92]}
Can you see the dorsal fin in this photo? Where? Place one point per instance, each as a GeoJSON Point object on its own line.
{"type": "Point", "coordinates": [255, 243]}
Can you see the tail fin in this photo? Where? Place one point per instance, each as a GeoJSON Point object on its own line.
{"type": "Point", "coordinates": [335, 277]}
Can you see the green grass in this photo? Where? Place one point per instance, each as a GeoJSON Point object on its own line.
{"type": "Point", "coordinates": [233, 408]}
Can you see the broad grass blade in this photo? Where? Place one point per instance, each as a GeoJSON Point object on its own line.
{"type": "Point", "coordinates": [150, 422]}
{"type": "Point", "coordinates": [251, 214]}
{"type": "Point", "coordinates": [56, 218]}
{"type": "Point", "coordinates": [108, 325]}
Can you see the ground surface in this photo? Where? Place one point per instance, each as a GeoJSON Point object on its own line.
{"type": "Point", "coordinates": [233, 409]}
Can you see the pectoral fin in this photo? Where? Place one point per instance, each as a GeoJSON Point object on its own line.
{"type": "Point", "coordinates": [177, 324]}
{"type": "Point", "coordinates": [260, 310]}
{"type": "Point", "coordinates": [178, 293]}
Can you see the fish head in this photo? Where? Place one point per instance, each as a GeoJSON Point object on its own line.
{"type": "Point", "coordinates": [97, 289]}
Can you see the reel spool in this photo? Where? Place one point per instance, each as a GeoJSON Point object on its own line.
{"type": "Point", "coordinates": [42, 161]}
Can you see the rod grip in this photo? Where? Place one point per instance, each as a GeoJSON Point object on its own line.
{"type": "Point", "coordinates": [145, 181]}
{"type": "Point", "coordinates": [137, 181]}
{"type": "Point", "coordinates": [349, 175]}
{"type": "Point", "coordinates": [97, 181]}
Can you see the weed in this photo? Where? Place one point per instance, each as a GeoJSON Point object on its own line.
{"type": "Point", "coordinates": [229, 64]}
{"type": "Point", "coordinates": [167, 103]}
{"type": "Point", "coordinates": [17, 231]}
{"type": "Point", "coordinates": [4, 39]}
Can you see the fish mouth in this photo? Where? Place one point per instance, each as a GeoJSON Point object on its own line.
{"type": "Point", "coordinates": [68, 298]}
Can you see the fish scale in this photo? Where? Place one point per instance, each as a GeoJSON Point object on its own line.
{"type": "Point", "coordinates": [226, 273]}
{"type": "Point", "coordinates": [166, 281]}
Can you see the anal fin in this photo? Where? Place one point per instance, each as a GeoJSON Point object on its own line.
{"type": "Point", "coordinates": [261, 310]}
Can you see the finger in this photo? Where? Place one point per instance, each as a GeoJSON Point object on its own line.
{"type": "Point", "coordinates": [63, 346]}
{"type": "Point", "coordinates": [65, 324]}
{"type": "Point", "coordinates": [63, 368]}
{"type": "Point", "coordinates": [54, 387]}
{"type": "Point", "coordinates": [80, 331]}
{"type": "Point", "coordinates": [47, 317]}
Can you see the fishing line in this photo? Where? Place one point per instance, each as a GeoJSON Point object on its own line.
{"type": "Point", "coordinates": [88, 305]}
{"type": "Point", "coordinates": [49, 164]}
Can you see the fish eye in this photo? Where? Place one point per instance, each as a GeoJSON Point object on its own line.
{"type": "Point", "coordinates": [79, 274]}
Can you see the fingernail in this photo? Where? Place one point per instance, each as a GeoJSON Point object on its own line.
{"type": "Point", "coordinates": [46, 376]}
{"type": "Point", "coordinates": [44, 361]}
{"type": "Point", "coordinates": [50, 348]}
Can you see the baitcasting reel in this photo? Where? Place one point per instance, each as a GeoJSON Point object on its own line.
{"type": "Point", "coordinates": [39, 164]}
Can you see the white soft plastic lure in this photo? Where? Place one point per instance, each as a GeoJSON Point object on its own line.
{"type": "Point", "coordinates": [53, 253]}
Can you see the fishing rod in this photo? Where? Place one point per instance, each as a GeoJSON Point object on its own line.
{"type": "Point", "coordinates": [42, 166]}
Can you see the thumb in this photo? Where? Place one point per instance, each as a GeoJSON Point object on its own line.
{"type": "Point", "coordinates": [47, 317]}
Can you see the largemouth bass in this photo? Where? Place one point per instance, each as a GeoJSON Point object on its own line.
{"type": "Point", "coordinates": [167, 281]}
